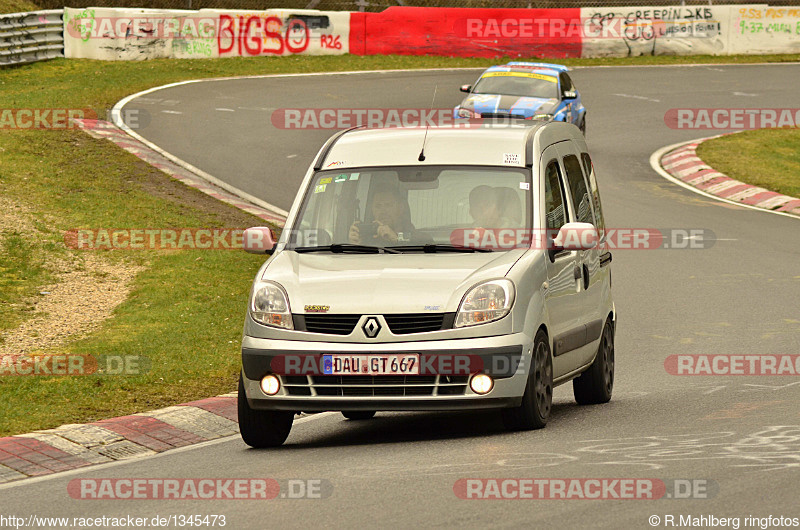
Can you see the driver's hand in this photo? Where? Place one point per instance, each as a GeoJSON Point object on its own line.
{"type": "Point", "coordinates": [355, 235]}
{"type": "Point", "coordinates": [385, 232]}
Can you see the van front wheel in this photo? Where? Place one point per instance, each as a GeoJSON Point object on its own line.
{"type": "Point", "coordinates": [534, 410]}
{"type": "Point", "coordinates": [262, 428]}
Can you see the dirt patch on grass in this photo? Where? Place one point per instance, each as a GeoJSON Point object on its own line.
{"type": "Point", "coordinates": [85, 291]}
{"type": "Point", "coordinates": [82, 298]}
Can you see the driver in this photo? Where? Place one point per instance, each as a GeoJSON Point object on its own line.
{"type": "Point", "coordinates": [391, 220]}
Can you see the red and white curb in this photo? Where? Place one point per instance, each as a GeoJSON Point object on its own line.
{"type": "Point", "coordinates": [109, 131]}
{"type": "Point", "coordinates": [73, 446]}
{"type": "Point", "coordinates": [683, 164]}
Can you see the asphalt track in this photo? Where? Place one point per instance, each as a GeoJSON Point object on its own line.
{"type": "Point", "coordinates": [740, 296]}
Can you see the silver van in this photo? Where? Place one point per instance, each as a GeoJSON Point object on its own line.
{"type": "Point", "coordinates": [442, 268]}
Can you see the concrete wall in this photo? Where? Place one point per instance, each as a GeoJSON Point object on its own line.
{"type": "Point", "coordinates": [133, 34]}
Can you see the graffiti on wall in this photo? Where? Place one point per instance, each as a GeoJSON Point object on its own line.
{"type": "Point", "coordinates": [654, 31]}
{"type": "Point", "coordinates": [118, 34]}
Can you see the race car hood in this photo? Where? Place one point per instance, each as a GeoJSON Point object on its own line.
{"type": "Point", "coordinates": [384, 283]}
{"type": "Point", "coordinates": [523, 106]}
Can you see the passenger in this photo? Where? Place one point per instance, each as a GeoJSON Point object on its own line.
{"type": "Point", "coordinates": [497, 207]}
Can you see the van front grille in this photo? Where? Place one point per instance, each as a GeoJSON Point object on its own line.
{"type": "Point", "coordinates": [330, 324]}
{"type": "Point", "coordinates": [399, 324]}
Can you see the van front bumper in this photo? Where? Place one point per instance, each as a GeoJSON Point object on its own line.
{"type": "Point", "coordinates": [504, 357]}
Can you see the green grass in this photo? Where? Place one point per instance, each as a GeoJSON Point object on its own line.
{"type": "Point", "coordinates": [769, 158]}
{"type": "Point", "coordinates": [17, 6]}
{"type": "Point", "coordinates": [185, 311]}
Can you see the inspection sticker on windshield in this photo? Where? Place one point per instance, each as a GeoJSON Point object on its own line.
{"type": "Point", "coordinates": [343, 364]}
{"type": "Point", "coordinates": [511, 158]}
{"type": "Point", "coordinates": [524, 186]}
{"type": "Point", "coordinates": [340, 178]}
{"type": "Point", "coordinates": [320, 188]}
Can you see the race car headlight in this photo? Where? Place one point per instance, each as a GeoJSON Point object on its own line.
{"type": "Point", "coordinates": [269, 306]}
{"type": "Point", "coordinates": [486, 302]}
{"type": "Point", "coordinates": [466, 113]}
{"type": "Point", "coordinates": [544, 117]}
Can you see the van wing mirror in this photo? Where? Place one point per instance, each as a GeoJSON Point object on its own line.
{"type": "Point", "coordinates": [465, 88]}
{"type": "Point", "coordinates": [258, 240]}
{"type": "Point", "coordinates": [575, 236]}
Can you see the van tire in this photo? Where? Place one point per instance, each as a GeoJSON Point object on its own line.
{"type": "Point", "coordinates": [358, 414]}
{"type": "Point", "coordinates": [537, 400]}
{"type": "Point", "coordinates": [262, 428]}
{"type": "Point", "coordinates": [596, 384]}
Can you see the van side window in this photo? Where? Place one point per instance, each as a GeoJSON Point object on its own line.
{"type": "Point", "coordinates": [577, 186]}
{"type": "Point", "coordinates": [598, 210]}
{"type": "Point", "coordinates": [553, 198]}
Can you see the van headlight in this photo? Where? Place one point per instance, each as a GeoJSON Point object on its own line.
{"type": "Point", "coordinates": [486, 302]}
{"type": "Point", "coordinates": [269, 306]}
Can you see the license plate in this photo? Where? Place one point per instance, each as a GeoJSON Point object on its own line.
{"type": "Point", "coordinates": [338, 364]}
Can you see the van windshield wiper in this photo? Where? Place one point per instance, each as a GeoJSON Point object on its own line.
{"type": "Point", "coordinates": [433, 248]}
{"type": "Point", "coordinates": [341, 248]}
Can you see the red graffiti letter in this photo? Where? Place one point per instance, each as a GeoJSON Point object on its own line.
{"type": "Point", "coordinates": [225, 30]}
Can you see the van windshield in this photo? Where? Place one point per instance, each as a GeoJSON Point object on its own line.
{"type": "Point", "coordinates": [410, 207]}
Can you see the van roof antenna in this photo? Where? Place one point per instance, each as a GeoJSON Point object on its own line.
{"type": "Point", "coordinates": [421, 157]}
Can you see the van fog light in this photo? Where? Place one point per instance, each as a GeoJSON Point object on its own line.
{"type": "Point", "coordinates": [481, 384]}
{"type": "Point", "coordinates": [270, 385]}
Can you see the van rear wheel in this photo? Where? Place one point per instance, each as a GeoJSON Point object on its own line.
{"type": "Point", "coordinates": [596, 384]}
{"type": "Point", "coordinates": [262, 428]}
{"type": "Point", "coordinates": [534, 410]}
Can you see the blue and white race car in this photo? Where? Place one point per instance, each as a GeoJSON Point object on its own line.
{"type": "Point", "coordinates": [538, 91]}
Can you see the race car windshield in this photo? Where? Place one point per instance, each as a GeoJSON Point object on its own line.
{"type": "Point", "coordinates": [416, 209]}
{"type": "Point", "coordinates": [518, 86]}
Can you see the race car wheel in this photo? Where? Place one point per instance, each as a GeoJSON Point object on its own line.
{"type": "Point", "coordinates": [534, 410]}
{"type": "Point", "coordinates": [596, 384]}
{"type": "Point", "coordinates": [582, 126]}
{"type": "Point", "coordinates": [358, 414]}
{"type": "Point", "coordinates": [262, 428]}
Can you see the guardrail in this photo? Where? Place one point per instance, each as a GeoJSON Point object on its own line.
{"type": "Point", "coordinates": [32, 36]}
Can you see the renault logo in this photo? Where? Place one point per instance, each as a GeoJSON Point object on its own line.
{"type": "Point", "coordinates": [371, 327]}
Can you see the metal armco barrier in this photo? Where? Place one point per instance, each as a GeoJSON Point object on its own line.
{"type": "Point", "coordinates": [30, 37]}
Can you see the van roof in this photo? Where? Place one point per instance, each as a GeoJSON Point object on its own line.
{"type": "Point", "coordinates": [486, 143]}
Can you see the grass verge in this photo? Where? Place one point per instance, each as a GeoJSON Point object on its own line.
{"type": "Point", "coordinates": [769, 158]}
{"type": "Point", "coordinates": [185, 310]}
{"type": "Point", "coordinates": [17, 6]}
